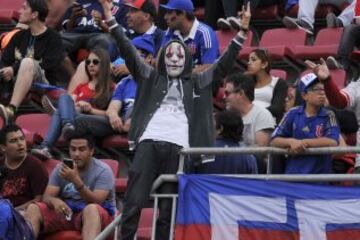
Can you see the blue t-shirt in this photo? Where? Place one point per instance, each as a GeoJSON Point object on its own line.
{"type": "Point", "coordinates": [230, 164]}
{"type": "Point", "coordinates": [155, 32]}
{"type": "Point", "coordinates": [125, 92]}
{"type": "Point", "coordinates": [86, 24]}
{"type": "Point", "coordinates": [202, 43]}
{"type": "Point", "coordinates": [98, 175]}
{"type": "Point", "coordinates": [6, 221]}
{"type": "Point", "coordinates": [296, 124]}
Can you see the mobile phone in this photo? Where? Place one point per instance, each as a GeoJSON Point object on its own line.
{"type": "Point", "coordinates": [68, 162]}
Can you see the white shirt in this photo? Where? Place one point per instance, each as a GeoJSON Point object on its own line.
{"type": "Point", "coordinates": [264, 95]}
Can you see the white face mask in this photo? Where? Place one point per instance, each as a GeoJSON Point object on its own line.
{"type": "Point", "coordinates": [175, 59]}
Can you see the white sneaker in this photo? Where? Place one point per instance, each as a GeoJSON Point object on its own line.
{"type": "Point", "coordinates": [234, 22]}
{"type": "Point", "coordinates": [223, 24]}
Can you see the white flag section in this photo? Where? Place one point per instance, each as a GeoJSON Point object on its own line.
{"type": "Point", "coordinates": [313, 215]}
{"type": "Point", "coordinates": [224, 208]}
{"type": "Point", "coordinates": [226, 211]}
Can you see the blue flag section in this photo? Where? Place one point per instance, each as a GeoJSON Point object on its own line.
{"type": "Point", "coordinates": [224, 208]}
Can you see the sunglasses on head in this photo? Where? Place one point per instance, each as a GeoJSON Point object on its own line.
{"type": "Point", "coordinates": [94, 61]}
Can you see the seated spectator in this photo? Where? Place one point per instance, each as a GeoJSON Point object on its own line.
{"type": "Point", "coordinates": [258, 121]}
{"type": "Point", "coordinates": [345, 98]}
{"type": "Point", "coordinates": [270, 91]}
{"type": "Point", "coordinates": [306, 15]}
{"type": "Point", "coordinates": [119, 111]}
{"type": "Point", "coordinates": [84, 28]}
{"type": "Point", "coordinates": [230, 11]}
{"type": "Point", "coordinates": [197, 36]}
{"type": "Point", "coordinates": [310, 125]}
{"type": "Point", "coordinates": [349, 40]}
{"type": "Point", "coordinates": [80, 197]}
{"type": "Point", "coordinates": [229, 128]}
{"type": "Point", "coordinates": [26, 177]}
{"type": "Point", "coordinates": [33, 55]}
{"type": "Point", "coordinates": [89, 98]}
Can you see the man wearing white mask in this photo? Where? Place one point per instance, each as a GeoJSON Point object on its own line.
{"type": "Point", "coordinates": [165, 117]}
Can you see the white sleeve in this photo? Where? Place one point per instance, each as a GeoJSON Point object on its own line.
{"type": "Point", "coordinates": [352, 93]}
{"type": "Point", "coordinates": [264, 120]}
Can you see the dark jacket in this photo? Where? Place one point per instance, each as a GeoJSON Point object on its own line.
{"type": "Point", "coordinates": [153, 87]}
{"type": "Point", "coordinates": [47, 50]}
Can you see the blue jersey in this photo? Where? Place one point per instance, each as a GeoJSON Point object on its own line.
{"type": "Point", "coordinates": [86, 23]}
{"type": "Point", "coordinates": [201, 42]}
{"type": "Point", "coordinates": [296, 124]}
{"type": "Point", "coordinates": [230, 164]}
{"type": "Point", "coordinates": [154, 31]}
{"type": "Point", "coordinates": [125, 92]}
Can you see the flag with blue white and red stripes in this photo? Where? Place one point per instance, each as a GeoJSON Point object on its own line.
{"type": "Point", "coordinates": [218, 208]}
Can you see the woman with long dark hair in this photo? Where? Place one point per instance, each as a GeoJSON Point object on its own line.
{"type": "Point", "coordinates": [91, 97]}
{"type": "Point", "coordinates": [270, 91]}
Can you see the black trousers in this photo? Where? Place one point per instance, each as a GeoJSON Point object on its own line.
{"type": "Point", "coordinates": [152, 158]}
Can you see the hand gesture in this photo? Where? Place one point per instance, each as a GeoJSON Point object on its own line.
{"type": "Point", "coordinates": [96, 15]}
{"type": "Point", "coordinates": [61, 207]}
{"type": "Point", "coordinates": [70, 174]}
{"type": "Point", "coordinates": [297, 146]}
{"type": "Point", "coordinates": [7, 73]}
{"type": "Point", "coordinates": [107, 6]}
{"type": "Point", "coordinates": [245, 16]}
{"type": "Point", "coordinates": [84, 107]}
{"type": "Point", "coordinates": [116, 122]}
{"type": "Point", "coordinates": [77, 11]}
{"type": "Point", "coordinates": [320, 70]}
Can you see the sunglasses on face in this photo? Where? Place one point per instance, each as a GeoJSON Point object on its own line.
{"type": "Point", "coordinates": [93, 61]}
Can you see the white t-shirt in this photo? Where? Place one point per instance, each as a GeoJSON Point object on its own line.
{"type": "Point", "coordinates": [264, 94]}
{"type": "Point", "coordinates": [259, 118]}
{"type": "Point", "coordinates": [169, 123]}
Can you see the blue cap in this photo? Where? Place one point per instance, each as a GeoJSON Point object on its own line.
{"type": "Point", "coordinates": [145, 42]}
{"type": "Point", "coordinates": [182, 5]}
{"type": "Point", "coordinates": [306, 81]}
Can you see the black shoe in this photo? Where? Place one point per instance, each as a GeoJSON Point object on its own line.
{"type": "Point", "coordinates": [300, 24]}
{"type": "Point", "coordinates": [332, 21]}
{"type": "Point", "coordinates": [67, 129]}
{"type": "Point", "coordinates": [43, 153]}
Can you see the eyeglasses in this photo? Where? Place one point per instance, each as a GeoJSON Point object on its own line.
{"type": "Point", "coordinates": [93, 61]}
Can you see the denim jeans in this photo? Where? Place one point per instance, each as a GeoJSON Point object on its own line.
{"type": "Point", "coordinates": [65, 113]}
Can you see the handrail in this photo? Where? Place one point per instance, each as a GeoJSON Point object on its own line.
{"type": "Point", "coordinates": [251, 150]}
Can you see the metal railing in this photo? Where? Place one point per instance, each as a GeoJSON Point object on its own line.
{"type": "Point", "coordinates": [268, 151]}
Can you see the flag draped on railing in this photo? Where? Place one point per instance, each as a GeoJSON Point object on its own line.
{"type": "Point", "coordinates": [218, 208]}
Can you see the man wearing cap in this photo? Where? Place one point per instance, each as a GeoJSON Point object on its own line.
{"type": "Point", "coordinates": [307, 126]}
{"type": "Point", "coordinates": [200, 39]}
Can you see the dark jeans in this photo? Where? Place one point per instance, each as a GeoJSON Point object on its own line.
{"type": "Point", "coordinates": [230, 7]}
{"type": "Point", "coordinates": [349, 40]}
{"type": "Point", "coordinates": [152, 158]}
{"type": "Point", "coordinates": [98, 126]}
{"type": "Point", "coordinates": [72, 42]}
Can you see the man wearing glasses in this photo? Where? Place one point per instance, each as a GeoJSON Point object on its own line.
{"type": "Point", "coordinates": [310, 125]}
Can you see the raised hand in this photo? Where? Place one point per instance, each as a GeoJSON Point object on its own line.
{"type": "Point", "coordinates": [245, 16]}
{"type": "Point", "coordinates": [107, 6]}
{"type": "Point", "coordinates": [320, 70]}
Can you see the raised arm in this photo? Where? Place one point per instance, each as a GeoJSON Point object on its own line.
{"type": "Point", "coordinates": [136, 65]}
{"type": "Point", "coordinates": [223, 66]}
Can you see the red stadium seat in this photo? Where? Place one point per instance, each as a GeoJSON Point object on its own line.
{"type": "Point", "coordinates": [9, 10]}
{"type": "Point", "coordinates": [278, 46]}
{"type": "Point", "coordinates": [224, 38]}
{"type": "Point", "coordinates": [113, 164]}
{"type": "Point", "coordinates": [50, 164]}
{"type": "Point", "coordinates": [36, 125]}
{"type": "Point", "coordinates": [326, 44]}
{"type": "Point", "coordinates": [279, 73]}
{"type": "Point", "coordinates": [116, 141]}
{"type": "Point", "coordinates": [145, 224]}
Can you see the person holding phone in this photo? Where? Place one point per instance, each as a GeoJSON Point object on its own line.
{"type": "Point", "coordinates": [80, 197]}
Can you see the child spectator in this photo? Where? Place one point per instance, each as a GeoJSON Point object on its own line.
{"type": "Point", "coordinates": [88, 98]}
{"type": "Point", "coordinates": [229, 128]}
{"type": "Point", "coordinates": [310, 125]}
{"type": "Point", "coordinates": [270, 91]}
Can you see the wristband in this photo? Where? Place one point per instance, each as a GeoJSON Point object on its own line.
{"type": "Point", "coordinates": [81, 187]}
